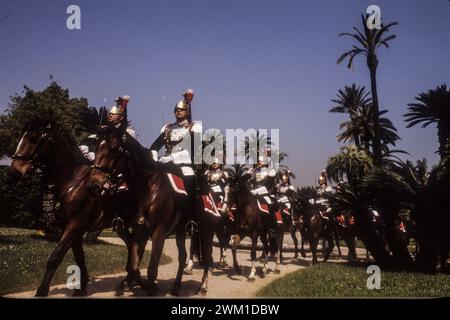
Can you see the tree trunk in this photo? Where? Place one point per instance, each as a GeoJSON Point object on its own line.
{"type": "Point", "coordinates": [376, 121]}
{"type": "Point", "coordinates": [372, 64]}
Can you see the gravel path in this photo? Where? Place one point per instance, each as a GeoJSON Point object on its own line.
{"type": "Point", "coordinates": [222, 284]}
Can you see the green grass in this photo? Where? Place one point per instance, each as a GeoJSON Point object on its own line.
{"type": "Point", "coordinates": [23, 256]}
{"type": "Point", "coordinates": [340, 280]}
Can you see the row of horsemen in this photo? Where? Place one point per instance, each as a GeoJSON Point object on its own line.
{"type": "Point", "coordinates": [272, 186]}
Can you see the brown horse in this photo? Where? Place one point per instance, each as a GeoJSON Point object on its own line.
{"type": "Point", "coordinates": [164, 209]}
{"type": "Point", "coordinates": [77, 186]}
{"type": "Point", "coordinates": [316, 226]}
{"type": "Point", "coordinates": [255, 224]}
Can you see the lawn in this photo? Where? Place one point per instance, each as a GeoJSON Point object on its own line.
{"type": "Point", "coordinates": [23, 256]}
{"type": "Point", "coordinates": [342, 280]}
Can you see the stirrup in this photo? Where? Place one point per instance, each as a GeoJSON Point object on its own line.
{"type": "Point", "coordinates": [191, 228]}
{"type": "Point", "coordinates": [117, 224]}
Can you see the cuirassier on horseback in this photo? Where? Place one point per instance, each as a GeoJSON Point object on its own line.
{"type": "Point", "coordinates": [262, 183]}
{"type": "Point", "coordinates": [178, 140]}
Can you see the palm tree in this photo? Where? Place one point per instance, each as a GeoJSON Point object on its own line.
{"type": "Point", "coordinates": [350, 199]}
{"type": "Point", "coordinates": [369, 42]}
{"type": "Point", "coordinates": [351, 163]}
{"type": "Point", "coordinates": [349, 101]}
{"type": "Point", "coordinates": [359, 129]}
{"type": "Point", "coordinates": [433, 106]}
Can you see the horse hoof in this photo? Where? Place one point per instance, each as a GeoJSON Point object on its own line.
{"type": "Point", "coordinates": [175, 292]}
{"type": "Point", "coordinates": [79, 293]}
{"type": "Point", "coordinates": [203, 291]}
{"type": "Point", "coordinates": [277, 271]}
{"type": "Point", "coordinates": [303, 255]}
{"type": "Point", "coordinates": [41, 292]}
{"type": "Point", "coordinates": [152, 289]}
{"type": "Point", "coordinates": [251, 279]}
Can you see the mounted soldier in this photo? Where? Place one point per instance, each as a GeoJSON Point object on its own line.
{"type": "Point", "coordinates": [219, 186]}
{"type": "Point", "coordinates": [116, 114]}
{"type": "Point", "coordinates": [178, 140]}
{"type": "Point", "coordinates": [263, 185]}
{"type": "Point", "coordinates": [285, 193]}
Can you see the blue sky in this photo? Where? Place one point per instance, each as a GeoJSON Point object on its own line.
{"type": "Point", "coordinates": [253, 64]}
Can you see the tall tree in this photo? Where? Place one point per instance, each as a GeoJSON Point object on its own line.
{"type": "Point", "coordinates": [430, 107]}
{"type": "Point", "coordinates": [368, 42]}
{"type": "Point", "coordinates": [73, 115]}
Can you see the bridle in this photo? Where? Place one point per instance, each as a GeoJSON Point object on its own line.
{"type": "Point", "coordinates": [111, 171]}
{"type": "Point", "coordinates": [34, 158]}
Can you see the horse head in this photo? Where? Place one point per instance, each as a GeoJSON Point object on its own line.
{"type": "Point", "coordinates": [110, 150]}
{"type": "Point", "coordinates": [34, 146]}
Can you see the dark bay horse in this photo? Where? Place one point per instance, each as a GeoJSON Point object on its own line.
{"type": "Point", "coordinates": [317, 225]}
{"type": "Point", "coordinates": [77, 186]}
{"type": "Point", "coordinates": [164, 209]}
{"type": "Point", "coordinates": [253, 223]}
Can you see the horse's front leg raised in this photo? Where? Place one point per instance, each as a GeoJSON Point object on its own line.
{"type": "Point", "coordinates": [71, 232]}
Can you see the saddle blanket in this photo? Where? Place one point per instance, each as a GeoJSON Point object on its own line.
{"type": "Point", "coordinates": [209, 205]}
{"type": "Point", "coordinates": [177, 184]}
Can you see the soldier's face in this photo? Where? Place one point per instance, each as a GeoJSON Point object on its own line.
{"type": "Point", "coordinates": [114, 118]}
{"type": "Point", "coordinates": [181, 113]}
{"type": "Point", "coordinates": [215, 166]}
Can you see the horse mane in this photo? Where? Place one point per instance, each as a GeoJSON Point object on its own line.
{"type": "Point", "coordinates": [71, 145]}
{"type": "Point", "coordinates": [141, 155]}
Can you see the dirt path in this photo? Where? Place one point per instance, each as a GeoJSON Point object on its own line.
{"type": "Point", "coordinates": [223, 283]}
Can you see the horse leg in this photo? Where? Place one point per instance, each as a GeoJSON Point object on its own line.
{"type": "Point", "coordinates": [302, 249]}
{"type": "Point", "coordinates": [236, 240]}
{"type": "Point", "coordinates": [190, 264]}
{"type": "Point", "coordinates": [126, 238]}
{"type": "Point", "coordinates": [294, 238]}
{"type": "Point", "coordinates": [182, 255]}
{"type": "Point", "coordinates": [206, 237]}
{"type": "Point", "coordinates": [279, 252]}
{"type": "Point", "coordinates": [71, 231]}
{"type": "Point", "coordinates": [336, 233]}
{"type": "Point", "coordinates": [158, 238]}
{"type": "Point", "coordinates": [78, 253]}
{"type": "Point", "coordinates": [137, 246]}
{"type": "Point", "coordinates": [313, 246]}
{"type": "Point", "coordinates": [251, 277]}
{"type": "Point", "coordinates": [265, 243]}
{"type": "Point", "coordinates": [329, 250]}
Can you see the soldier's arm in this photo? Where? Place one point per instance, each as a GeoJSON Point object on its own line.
{"type": "Point", "coordinates": [158, 143]}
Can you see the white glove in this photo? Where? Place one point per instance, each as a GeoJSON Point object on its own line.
{"type": "Point", "coordinates": [166, 159]}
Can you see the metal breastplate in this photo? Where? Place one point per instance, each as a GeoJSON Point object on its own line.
{"type": "Point", "coordinates": [283, 189]}
{"type": "Point", "coordinates": [175, 137]}
{"type": "Point", "coordinates": [215, 177]}
{"type": "Point", "coordinates": [261, 175]}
